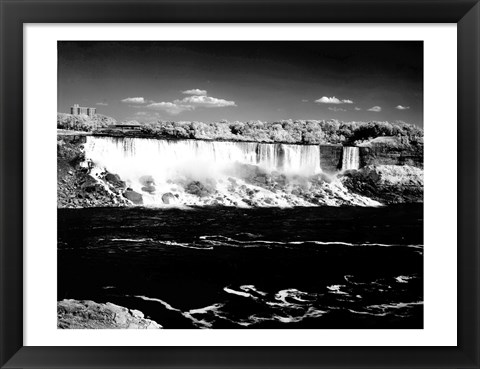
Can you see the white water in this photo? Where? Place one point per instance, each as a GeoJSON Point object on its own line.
{"type": "Point", "coordinates": [230, 173]}
{"type": "Point", "coordinates": [166, 164]}
{"type": "Point", "coordinates": [133, 157]}
{"type": "Point", "coordinates": [350, 158]}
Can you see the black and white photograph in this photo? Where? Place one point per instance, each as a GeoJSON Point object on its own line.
{"type": "Point", "coordinates": [240, 185]}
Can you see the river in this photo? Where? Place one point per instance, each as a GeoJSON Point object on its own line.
{"type": "Point", "coordinates": [227, 267]}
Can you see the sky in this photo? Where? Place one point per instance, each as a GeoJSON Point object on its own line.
{"type": "Point", "coordinates": [244, 80]}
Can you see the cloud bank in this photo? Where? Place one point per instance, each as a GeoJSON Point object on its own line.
{"type": "Point", "coordinates": [375, 109]}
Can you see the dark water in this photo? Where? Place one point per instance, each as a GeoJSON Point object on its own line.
{"type": "Point", "coordinates": [322, 267]}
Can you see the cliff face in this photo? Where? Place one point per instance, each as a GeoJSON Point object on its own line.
{"type": "Point", "coordinates": [380, 151]}
{"type": "Point", "coordinates": [388, 184]}
{"type": "Point", "coordinates": [331, 158]}
{"type": "Point", "coordinates": [391, 151]}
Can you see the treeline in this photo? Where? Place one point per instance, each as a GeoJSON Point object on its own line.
{"type": "Point", "coordinates": [287, 131]}
{"type": "Point", "coordinates": [83, 122]}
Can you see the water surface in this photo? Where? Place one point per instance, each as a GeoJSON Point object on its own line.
{"type": "Point", "coordinates": [225, 267]}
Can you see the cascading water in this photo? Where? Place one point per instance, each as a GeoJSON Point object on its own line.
{"type": "Point", "coordinates": [162, 158]}
{"type": "Point", "coordinates": [171, 165]}
{"type": "Point", "coordinates": [350, 158]}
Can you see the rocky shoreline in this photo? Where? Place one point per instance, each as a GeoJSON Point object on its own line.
{"type": "Point", "coordinates": [75, 314]}
{"type": "Point", "coordinates": [76, 187]}
{"type": "Point", "coordinates": [388, 184]}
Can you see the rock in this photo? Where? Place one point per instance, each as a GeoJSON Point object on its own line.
{"type": "Point", "coordinates": [388, 184]}
{"type": "Point", "coordinates": [168, 198]}
{"type": "Point", "coordinates": [90, 185]}
{"type": "Point", "coordinates": [112, 178]}
{"type": "Point", "coordinates": [74, 314]}
{"type": "Point", "coordinates": [137, 313]}
{"type": "Point", "coordinates": [134, 197]}
{"type": "Point", "coordinates": [149, 189]}
{"type": "Point", "coordinates": [392, 150]}
{"type": "Point", "coordinates": [261, 179]}
{"type": "Point", "coordinates": [147, 180]}
{"type": "Point", "coordinates": [199, 189]}
{"type": "Point", "coordinates": [115, 181]}
{"type": "Point", "coordinates": [296, 192]}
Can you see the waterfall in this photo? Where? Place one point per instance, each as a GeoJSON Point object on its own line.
{"type": "Point", "coordinates": [350, 158]}
{"type": "Point", "coordinates": [168, 163]}
{"type": "Point", "coordinates": [131, 156]}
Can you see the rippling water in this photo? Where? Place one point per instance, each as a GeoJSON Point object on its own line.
{"type": "Point", "coordinates": [342, 267]}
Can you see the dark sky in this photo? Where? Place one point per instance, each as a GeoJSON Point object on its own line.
{"type": "Point", "coordinates": [264, 80]}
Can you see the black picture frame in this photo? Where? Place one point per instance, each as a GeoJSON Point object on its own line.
{"type": "Point", "coordinates": [15, 13]}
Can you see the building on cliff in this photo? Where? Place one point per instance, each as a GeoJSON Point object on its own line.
{"type": "Point", "coordinates": [78, 110]}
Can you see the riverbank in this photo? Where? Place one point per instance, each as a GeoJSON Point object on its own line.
{"type": "Point", "coordinates": [74, 314]}
{"type": "Point", "coordinates": [76, 188]}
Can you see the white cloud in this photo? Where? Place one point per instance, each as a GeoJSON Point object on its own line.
{"type": "Point", "coordinates": [170, 107]}
{"type": "Point", "coordinates": [336, 109]}
{"type": "Point", "coordinates": [376, 109]}
{"type": "Point", "coordinates": [198, 99]}
{"type": "Point", "coordinates": [332, 100]}
{"type": "Point", "coordinates": [102, 104]}
{"type": "Point", "coordinates": [357, 108]}
{"type": "Point", "coordinates": [205, 101]}
{"type": "Point", "coordinates": [328, 100]}
{"type": "Point", "coordinates": [134, 100]}
{"type": "Point", "coordinates": [195, 91]}
{"type": "Point", "coordinates": [400, 107]}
